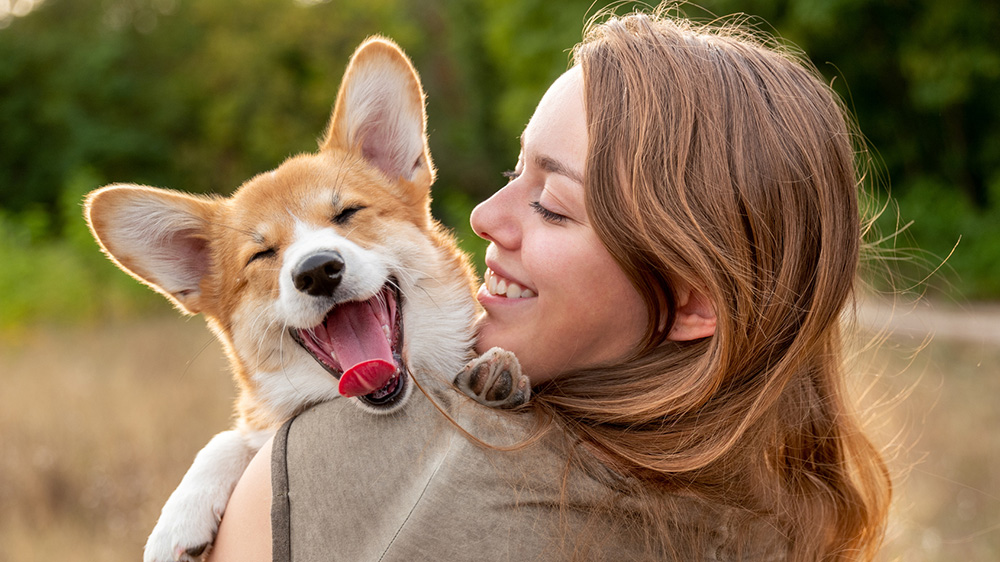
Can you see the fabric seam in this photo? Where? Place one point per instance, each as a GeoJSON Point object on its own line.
{"type": "Point", "coordinates": [417, 502]}
{"type": "Point", "coordinates": [281, 510]}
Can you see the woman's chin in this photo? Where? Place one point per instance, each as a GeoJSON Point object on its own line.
{"type": "Point", "coordinates": [487, 337]}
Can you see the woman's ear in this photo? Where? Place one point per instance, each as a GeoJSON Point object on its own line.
{"type": "Point", "coordinates": [695, 317]}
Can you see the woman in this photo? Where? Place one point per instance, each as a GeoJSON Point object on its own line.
{"type": "Point", "coordinates": [669, 261]}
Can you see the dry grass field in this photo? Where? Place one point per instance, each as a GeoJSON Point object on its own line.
{"type": "Point", "coordinates": [98, 424]}
{"type": "Point", "coordinates": [939, 416]}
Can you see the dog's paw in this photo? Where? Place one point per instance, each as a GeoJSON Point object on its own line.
{"type": "Point", "coordinates": [184, 532]}
{"type": "Point", "coordinates": [495, 379]}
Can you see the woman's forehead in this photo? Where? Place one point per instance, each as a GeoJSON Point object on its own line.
{"type": "Point", "coordinates": [557, 132]}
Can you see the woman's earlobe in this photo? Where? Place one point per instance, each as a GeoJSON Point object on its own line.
{"type": "Point", "coordinates": [695, 317]}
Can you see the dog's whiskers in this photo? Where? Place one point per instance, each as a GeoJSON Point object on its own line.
{"type": "Point", "coordinates": [402, 272]}
{"type": "Point", "coordinates": [263, 337]}
{"type": "Point", "coordinates": [281, 360]}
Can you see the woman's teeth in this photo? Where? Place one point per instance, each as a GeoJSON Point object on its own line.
{"type": "Point", "coordinates": [497, 285]}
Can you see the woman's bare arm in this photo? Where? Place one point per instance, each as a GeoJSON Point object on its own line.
{"type": "Point", "coordinates": [245, 531]}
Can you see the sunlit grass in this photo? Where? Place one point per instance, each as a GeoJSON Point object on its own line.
{"type": "Point", "coordinates": [98, 424]}
{"type": "Point", "coordinates": [931, 403]}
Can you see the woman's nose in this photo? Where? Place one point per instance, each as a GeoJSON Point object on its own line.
{"type": "Point", "coordinates": [495, 219]}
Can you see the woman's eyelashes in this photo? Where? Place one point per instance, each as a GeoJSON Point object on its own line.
{"type": "Point", "coordinates": [547, 214]}
{"type": "Point", "coordinates": [536, 206]}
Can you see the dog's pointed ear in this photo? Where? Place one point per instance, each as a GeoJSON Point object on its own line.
{"type": "Point", "coordinates": [380, 113]}
{"type": "Point", "coordinates": [158, 236]}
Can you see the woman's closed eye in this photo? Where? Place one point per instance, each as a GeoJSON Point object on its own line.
{"type": "Point", "coordinates": [536, 206]}
{"type": "Point", "coordinates": [546, 214]}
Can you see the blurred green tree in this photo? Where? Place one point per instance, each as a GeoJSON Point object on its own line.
{"type": "Point", "coordinates": [202, 95]}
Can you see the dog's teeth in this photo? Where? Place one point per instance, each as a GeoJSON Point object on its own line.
{"type": "Point", "coordinates": [388, 334]}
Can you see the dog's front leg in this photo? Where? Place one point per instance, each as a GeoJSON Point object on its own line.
{"type": "Point", "coordinates": [190, 518]}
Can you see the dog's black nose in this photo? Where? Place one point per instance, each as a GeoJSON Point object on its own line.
{"type": "Point", "coordinates": [319, 274]}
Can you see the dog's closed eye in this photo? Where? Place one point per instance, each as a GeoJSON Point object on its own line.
{"type": "Point", "coordinates": [345, 215]}
{"type": "Point", "coordinates": [262, 255]}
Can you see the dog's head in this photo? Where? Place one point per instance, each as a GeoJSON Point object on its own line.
{"type": "Point", "coordinates": [329, 265]}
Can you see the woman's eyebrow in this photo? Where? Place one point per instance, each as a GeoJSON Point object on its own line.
{"type": "Point", "coordinates": [554, 166]}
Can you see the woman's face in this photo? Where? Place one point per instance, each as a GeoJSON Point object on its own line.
{"type": "Point", "coordinates": [553, 294]}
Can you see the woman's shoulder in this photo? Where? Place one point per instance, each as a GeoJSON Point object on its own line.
{"type": "Point", "coordinates": [434, 481]}
{"type": "Point", "coordinates": [470, 444]}
{"type": "Point", "coordinates": [438, 478]}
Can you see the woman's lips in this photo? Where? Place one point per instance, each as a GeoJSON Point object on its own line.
{"type": "Point", "coordinates": [502, 287]}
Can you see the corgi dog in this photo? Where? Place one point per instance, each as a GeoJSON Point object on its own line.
{"type": "Point", "coordinates": [326, 277]}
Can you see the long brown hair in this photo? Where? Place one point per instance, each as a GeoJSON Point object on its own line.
{"type": "Point", "coordinates": [722, 161]}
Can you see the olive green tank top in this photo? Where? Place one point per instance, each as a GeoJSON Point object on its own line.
{"type": "Point", "coordinates": [352, 486]}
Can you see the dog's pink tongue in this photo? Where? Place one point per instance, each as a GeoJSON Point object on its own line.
{"type": "Point", "coordinates": [361, 347]}
{"type": "Point", "coordinates": [366, 377]}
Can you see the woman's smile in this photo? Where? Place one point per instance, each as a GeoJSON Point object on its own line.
{"type": "Point", "coordinates": [499, 286]}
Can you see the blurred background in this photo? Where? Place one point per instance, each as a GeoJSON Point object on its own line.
{"type": "Point", "coordinates": [106, 395]}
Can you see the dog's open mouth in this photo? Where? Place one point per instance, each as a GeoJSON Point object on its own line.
{"type": "Point", "coordinates": [360, 343]}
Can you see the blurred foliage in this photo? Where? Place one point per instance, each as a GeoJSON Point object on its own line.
{"type": "Point", "coordinates": [200, 96]}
